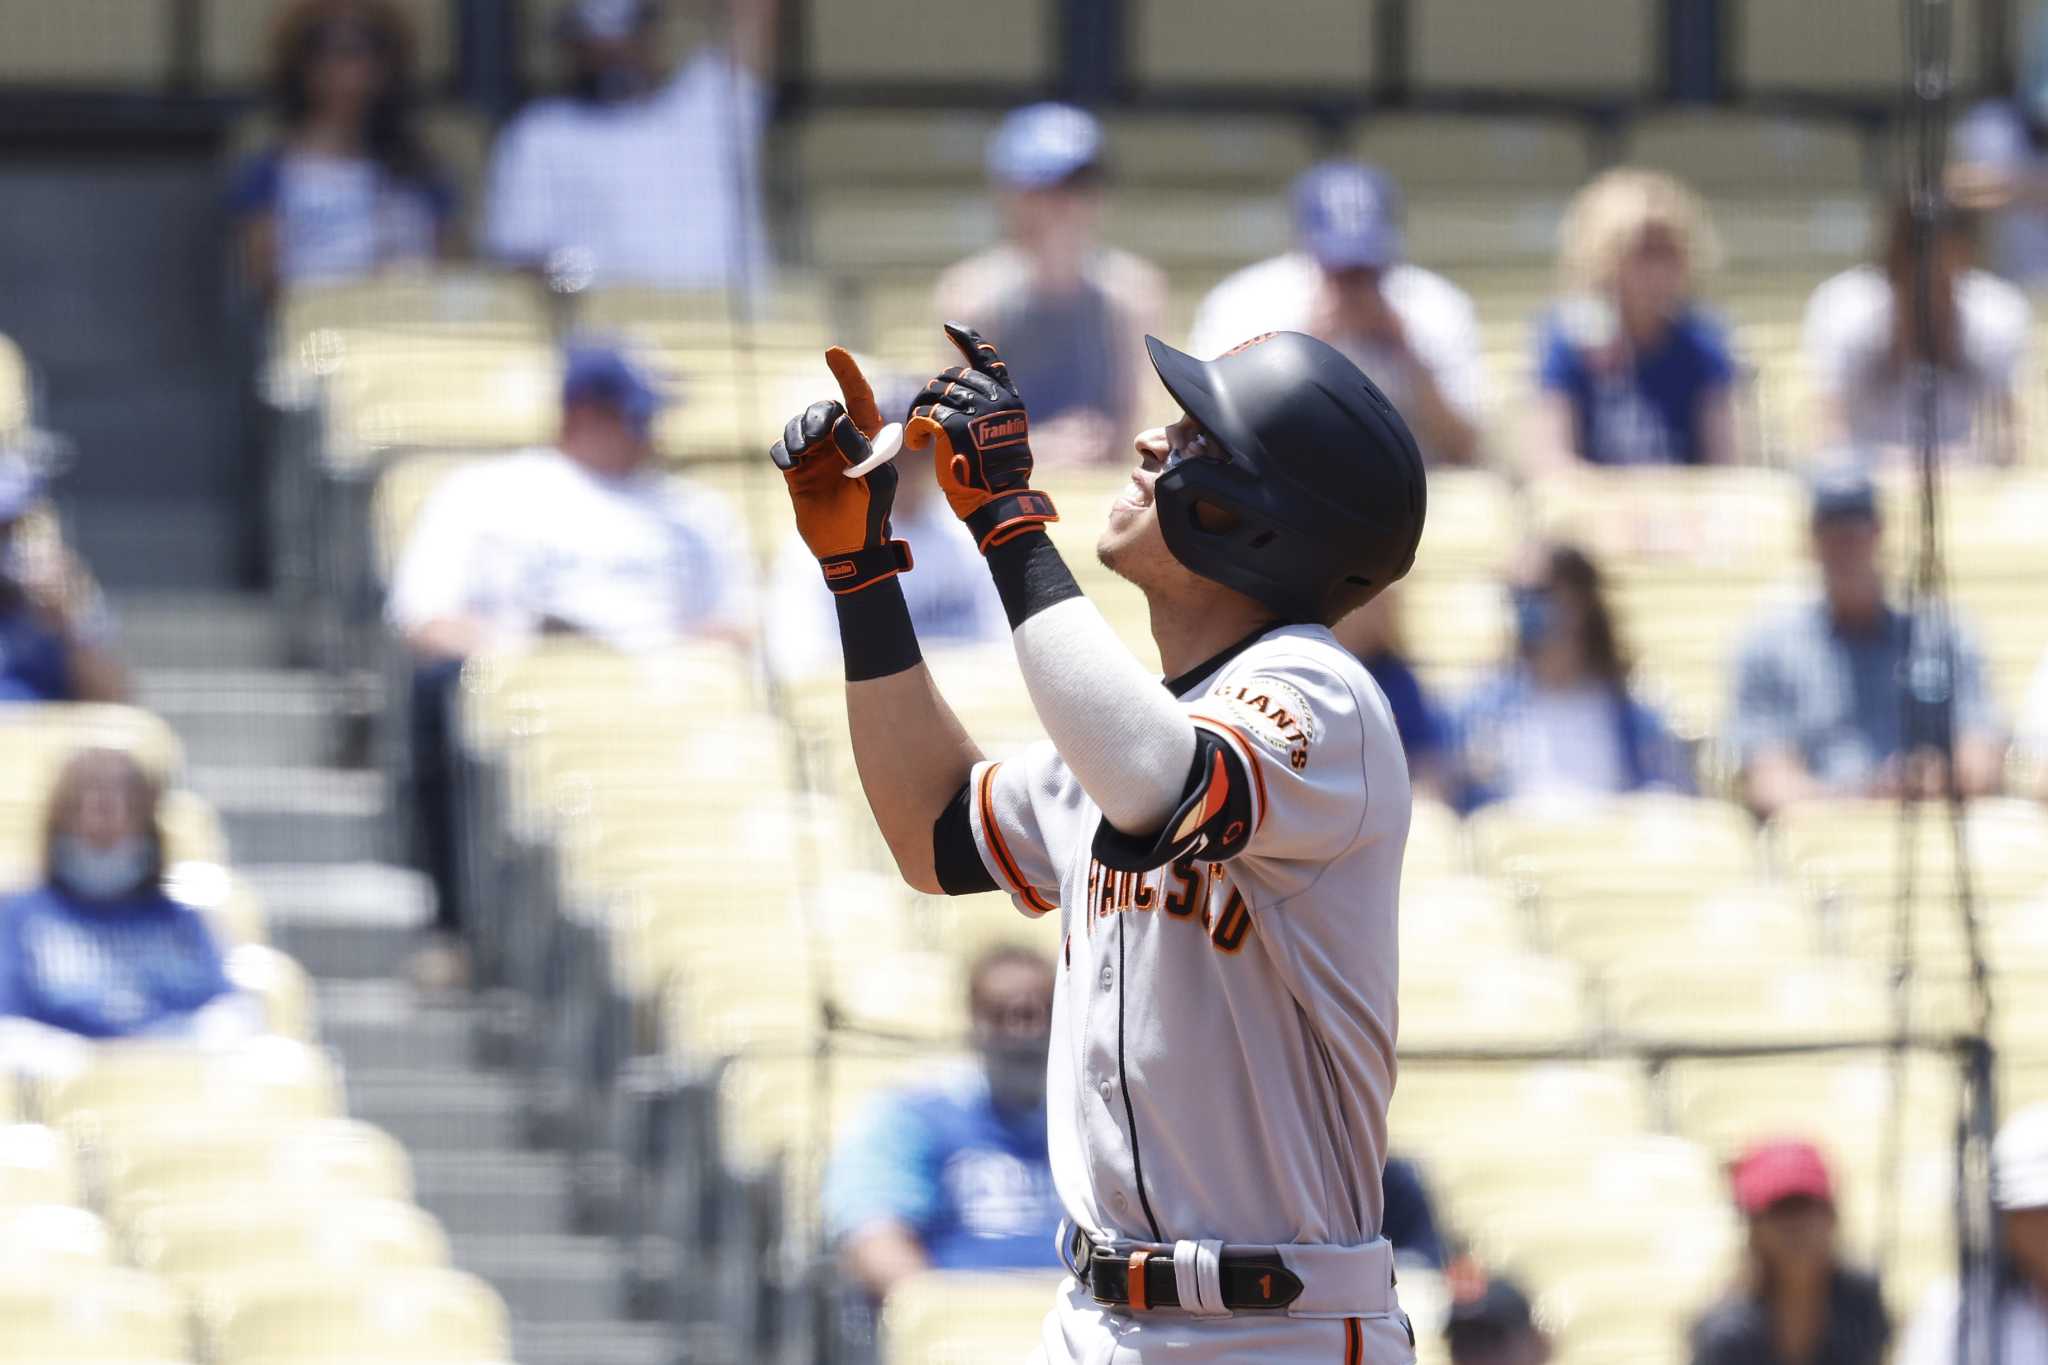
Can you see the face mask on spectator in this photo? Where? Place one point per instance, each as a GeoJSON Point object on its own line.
{"type": "Point", "coordinates": [102, 874]}
{"type": "Point", "coordinates": [1535, 617]}
{"type": "Point", "coordinates": [1016, 1072]}
{"type": "Point", "coordinates": [612, 82]}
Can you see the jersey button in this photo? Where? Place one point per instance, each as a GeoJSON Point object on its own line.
{"type": "Point", "coordinates": [1119, 1203]}
{"type": "Point", "coordinates": [1107, 1088]}
{"type": "Point", "coordinates": [1108, 977]}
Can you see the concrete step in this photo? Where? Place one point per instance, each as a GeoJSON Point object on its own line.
{"type": "Point", "coordinates": [384, 1023]}
{"type": "Point", "coordinates": [595, 1343]}
{"type": "Point", "coordinates": [297, 814]}
{"type": "Point", "coordinates": [553, 1279]}
{"type": "Point", "coordinates": [343, 919]}
{"type": "Point", "coordinates": [445, 1110]}
{"type": "Point", "coordinates": [199, 630]}
{"type": "Point", "coordinates": [263, 717]}
{"type": "Point", "coordinates": [501, 1194]}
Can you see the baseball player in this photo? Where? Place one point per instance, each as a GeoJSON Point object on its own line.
{"type": "Point", "coordinates": [1224, 852]}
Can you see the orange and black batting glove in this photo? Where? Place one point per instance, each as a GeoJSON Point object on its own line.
{"type": "Point", "coordinates": [973, 418]}
{"type": "Point", "coordinates": [845, 522]}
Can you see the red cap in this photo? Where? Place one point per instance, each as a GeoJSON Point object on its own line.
{"type": "Point", "coordinates": [1773, 1171]}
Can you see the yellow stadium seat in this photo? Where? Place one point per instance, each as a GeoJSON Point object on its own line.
{"type": "Point", "coordinates": [206, 1245]}
{"type": "Point", "coordinates": [187, 1158]}
{"type": "Point", "coordinates": [1611, 1314]}
{"type": "Point", "coordinates": [1590, 47]}
{"type": "Point", "coordinates": [282, 985]}
{"type": "Point", "coordinates": [1437, 156]}
{"type": "Point", "coordinates": [75, 1316]}
{"type": "Point", "coordinates": [1840, 1101]}
{"type": "Point", "coordinates": [1695, 1000]}
{"type": "Point", "coordinates": [109, 44]}
{"type": "Point", "coordinates": [235, 41]}
{"type": "Point", "coordinates": [1750, 524]}
{"type": "Point", "coordinates": [1508, 1001]}
{"type": "Point", "coordinates": [864, 147]}
{"type": "Point", "coordinates": [1448, 918]}
{"type": "Point", "coordinates": [1296, 44]}
{"type": "Point", "coordinates": [1436, 842]}
{"type": "Point", "coordinates": [486, 395]}
{"type": "Point", "coordinates": [852, 44]}
{"type": "Point", "coordinates": [1608, 933]}
{"type": "Point", "coordinates": [17, 391]}
{"type": "Point", "coordinates": [36, 738]}
{"type": "Point", "coordinates": [1855, 847]}
{"type": "Point", "coordinates": [37, 1166]}
{"type": "Point", "coordinates": [966, 1318]}
{"type": "Point", "coordinates": [1465, 1119]}
{"type": "Point", "coordinates": [1246, 150]}
{"type": "Point", "coordinates": [126, 1082]}
{"type": "Point", "coordinates": [1836, 47]}
{"type": "Point", "coordinates": [1183, 229]}
{"type": "Point", "coordinates": [53, 1235]}
{"type": "Point", "coordinates": [1676, 844]}
{"type": "Point", "coordinates": [1726, 152]}
{"type": "Point", "coordinates": [228, 904]}
{"type": "Point", "coordinates": [404, 1317]}
{"type": "Point", "coordinates": [1469, 627]}
{"type": "Point", "coordinates": [1472, 527]}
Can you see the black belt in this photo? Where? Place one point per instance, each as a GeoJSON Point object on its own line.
{"type": "Point", "coordinates": [1145, 1279]}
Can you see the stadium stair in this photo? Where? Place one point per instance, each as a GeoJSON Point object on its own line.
{"type": "Point", "coordinates": [273, 747]}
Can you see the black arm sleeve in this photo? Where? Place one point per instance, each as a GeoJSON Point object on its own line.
{"type": "Point", "coordinates": [955, 859]}
{"type": "Point", "coordinates": [1212, 823]}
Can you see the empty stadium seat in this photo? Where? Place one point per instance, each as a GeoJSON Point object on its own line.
{"type": "Point", "coordinates": [1473, 525]}
{"type": "Point", "coordinates": [1014, 47]}
{"type": "Point", "coordinates": [52, 1235]}
{"type": "Point", "coordinates": [36, 738]}
{"type": "Point", "coordinates": [1720, 524]}
{"type": "Point", "coordinates": [868, 147]}
{"type": "Point", "coordinates": [1562, 850]}
{"type": "Point", "coordinates": [1296, 45]}
{"type": "Point", "coordinates": [186, 1157]}
{"type": "Point", "coordinates": [1472, 156]}
{"type": "Point", "coordinates": [1836, 47]}
{"type": "Point", "coordinates": [1446, 918]}
{"type": "Point", "coordinates": [1510, 1001]}
{"type": "Point", "coordinates": [1856, 847]}
{"type": "Point", "coordinates": [1436, 842]}
{"type": "Point", "coordinates": [282, 986]}
{"type": "Point", "coordinates": [1241, 150]}
{"type": "Point", "coordinates": [406, 1317]}
{"type": "Point", "coordinates": [1696, 1001]}
{"type": "Point", "coordinates": [1608, 930]}
{"type": "Point", "coordinates": [1599, 48]}
{"type": "Point", "coordinates": [966, 1318]}
{"type": "Point", "coordinates": [236, 36]}
{"type": "Point", "coordinates": [74, 1316]}
{"type": "Point", "coordinates": [268, 1077]}
{"type": "Point", "coordinates": [1464, 1118]}
{"type": "Point", "coordinates": [37, 1166]}
{"type": "Point", "coordinates": [1732, 153]}
{"type": "Point", "coordinates": [17, 406]}
{"type": "Point", "coordinates": [104, 44]}
{"type": "Point", "coordinates": [207, 1244]}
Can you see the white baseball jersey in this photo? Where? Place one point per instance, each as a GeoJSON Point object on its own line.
{"type": "Point", "coordinates": [1223, 1030]}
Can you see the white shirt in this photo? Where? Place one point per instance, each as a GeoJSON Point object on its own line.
{"type": "Point", "coordinates": [1565, 741]}
{"type": "Point", "coordinates": [951, 597]}
{"type": "Point", "coordinates": [1226, 1026]}
{"type": "Point", "coordinates": [1993, 134]}
{"type": "Point", "coordinates": [662, 190]}
{"type": "Point", "coordinates": [2023, 1335]}
{"type": "Point", "coordinates": [1279, 295]}
{"type": "Point", "coordinates": [1847, 339]}
{"type": "Point", "coordinates": [340, 218]}
{"type": "Point", "coordinates": [531, 538]}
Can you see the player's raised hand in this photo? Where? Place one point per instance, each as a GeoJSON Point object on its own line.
{"type": "Point", "coordinates": [844, 521]}
{"type": "Point", "coordinates": [974, 420]}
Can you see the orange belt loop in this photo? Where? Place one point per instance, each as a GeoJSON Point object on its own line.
{"type": "Point", "coordinates": [1135, 1284]}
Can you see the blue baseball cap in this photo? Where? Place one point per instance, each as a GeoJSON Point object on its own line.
{"type": "Point", "coordinates": [21, 486]}
{"type": "Point", "coordinates": [1040, 145]}
{"type": "Point", "coordinates": [1843, 493]}
{"type": "Point", "coordinates": [598, 372]}
{"type": "Point", "coordinates": [1348, 216]}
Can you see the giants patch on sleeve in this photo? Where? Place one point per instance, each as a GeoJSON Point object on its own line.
{"type": "Point", "coordinates": [1273, 712]}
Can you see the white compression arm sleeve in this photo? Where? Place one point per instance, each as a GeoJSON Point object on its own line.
{"type": "Point", "coordinates": [1127, 740]}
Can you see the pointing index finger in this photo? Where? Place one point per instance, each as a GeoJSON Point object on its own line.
{"type": "Point", "coordinates": [854, 386]}
{"type": "Point", "coordinates": [980, 355]}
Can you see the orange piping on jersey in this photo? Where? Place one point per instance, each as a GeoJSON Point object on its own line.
{"type": "Point", "coordinates": [1354, 1345]}
{"type": "Point", "coordinates": [1247, 754]}
{"type": "Point", "coordinates": [1007, 865]}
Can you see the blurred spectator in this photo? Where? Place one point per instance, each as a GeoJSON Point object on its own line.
{"type": "Point", "coordinates": [1560, 717]}
{"type": "Point", "coordinates": [637, 175]}
{"type": "Point", "coordinates": [1491, 1324]}
{"type": "Point", "coordinates": [590, 539]}
{"type": "Point", "coordinates": [1409, 1216]}
{"type": "Point", "coordinates": [1861, 337]}
{"type": "Point", "coordinates": [2019, 1187]}
{"type": "Point", "coordinates": [55, 631]}
{"type": "Point", "coordinates": [1999, 163]}
{"type": "Point", "coordinates": [348, 188]}
{"type": "Point", "coordinates": [955, 1175]}
{"type": "Point", "coordinates": [100, 949]}
{"type": "Point", "coordinates": [1374, 634]}
{"type": "Point", "coordinates": [1795, 1302]}
{"type": "Point", "coordinates": [1819, 707]}
{"type": "Point", "coordinates": [1070, 313]}
{"type": "Point", "coordinates": [952, 600]}
{"type": "Point", "coordinates": [1414, 332]}
{"type": "Point", "coordinates": [2030, 730]}
{"type": "Point", "coordinates": [1632, 370]}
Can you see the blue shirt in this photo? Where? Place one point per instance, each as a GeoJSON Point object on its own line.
{"type": "Point", "coordinates": [340, 218]}
{"type": "Point", "coordinates": [105, 970]}
{"type": "Point", "coordinates": [35, 661]}
{"type": "Point", "coordinates": [1490, 725]}
{"type": "Point", "coordinates": [1649, 413]}
{"type": "Point", "coordinates": [973, 1184]}
{"type": "Point", "coordinates": [1416, 718]}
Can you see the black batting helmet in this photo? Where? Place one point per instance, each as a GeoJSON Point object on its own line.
{"type": "Point", "coordinates": [1321, 479]}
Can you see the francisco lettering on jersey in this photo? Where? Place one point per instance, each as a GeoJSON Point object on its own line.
{"type": "Point", "coordinates": [1178, 890]}
{"type": "Point", "coordinates": [1275, 712]}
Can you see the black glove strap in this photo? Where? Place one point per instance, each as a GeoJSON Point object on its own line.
{"type": "Point", "coordinates": [865, 568]}
{"type": "Point", "coordinates": [1009, 514]}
